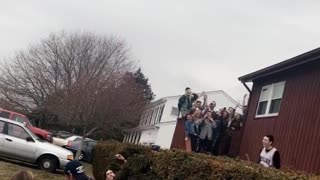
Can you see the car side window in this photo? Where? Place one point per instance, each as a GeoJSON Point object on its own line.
{"type": "Point", "coordinates": [19, 119]}
{"type": "Point", "coordinates": [17, 131]}
{"type": "Point", "coordinates": [1, 126]}
{"type": "Point", "coordinates": [4, 114]}
{"type": "Point", "coordinates": [92, 144]}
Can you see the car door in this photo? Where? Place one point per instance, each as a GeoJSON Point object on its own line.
{"type": "Point", "coordinates": [16, 145]}
{"type": "Point", "coordinates": [2, 123]}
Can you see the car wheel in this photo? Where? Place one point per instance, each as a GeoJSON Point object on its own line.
{"type": "Point", "coordinates": [48, 163]}
{"type": "Point", "coordinates": [82, 156]}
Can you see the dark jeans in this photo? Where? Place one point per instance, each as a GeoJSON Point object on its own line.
{"type": "Point", "coordinates": [194, 143]}
{"type": "Point", "coordinates": [205, 145]}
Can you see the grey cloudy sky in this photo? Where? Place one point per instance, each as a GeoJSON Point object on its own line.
{"type": "Point", "coordinates": [206, 45]}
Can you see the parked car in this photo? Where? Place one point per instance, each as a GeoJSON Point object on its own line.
{"type": "Point", "coordinates": [43, 134]}
{"type": "Point", "coordinates": [87, 149]}
{"type": "Point", "coordinates": [19, 143]}
{"type": "Point", "coordinates": [64, 140]}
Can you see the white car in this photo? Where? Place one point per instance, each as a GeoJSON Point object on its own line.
{"type": "Point", "coordinates": [19, 143]}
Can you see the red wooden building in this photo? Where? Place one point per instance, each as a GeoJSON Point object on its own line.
{"type": "Point", "coordinates": [285, 101]}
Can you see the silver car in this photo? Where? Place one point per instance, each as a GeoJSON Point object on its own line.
{"type": "Point", "coordinates": [19, 143]}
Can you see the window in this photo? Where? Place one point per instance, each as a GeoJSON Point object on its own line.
{"type": "Point", "coordinates": [174, 111]}
{"type": "Point", "coordinates": [92, 144]}
{"type": "Point", "coordinates": [270, 100]}
{"type": "Point", "coordinates": [1, 126]}
{"type": "Point", "coordinates": [19, 119]}
{"type": "Point", "coordinates": [4, 114]}
{"type": "Point", "coordinates": [17, 131]}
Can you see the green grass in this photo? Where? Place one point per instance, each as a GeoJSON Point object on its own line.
{"type": "Point", "coordinates": [8, 168]}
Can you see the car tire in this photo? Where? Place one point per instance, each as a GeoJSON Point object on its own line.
{"type": "Point", "coordinates": [48, 163]}
{"type": "Point", "coordinates": [82, 156]}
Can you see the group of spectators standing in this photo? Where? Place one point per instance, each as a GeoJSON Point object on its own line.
{"type": "Point", "coordinates": [208, 130]}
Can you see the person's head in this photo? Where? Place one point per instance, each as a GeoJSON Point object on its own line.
{"type": "Point", "coordinates": [225, 114]}
{"type": "Point", "coordinates": [197, 113]}
{"type": "Point", "coordinates": [188, 91]}
{"type": "Point", "coordinates": [197, 104]}
{"type": "Point", "coordinates": [212, 105]}
{"type": "Point", "coordinates": [75, 171]}
{"type": "Point", "coordinates": [230, 109]}
{"type": "Point", "coordinates": [109, 175]}
{"type": "Point", "coordinates": [22, 175]}
{"type": "Point", "coordinates": [188, 117]}
{"type": "Point", "coordinates": [209, 114]}
{"type": "Point", "coordinates": [238, 117]}
{"type": "Point", "coordinates": [267, 141]}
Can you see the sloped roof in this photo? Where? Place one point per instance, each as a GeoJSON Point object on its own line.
{"type": "Point", "coordinates": [282, 66]}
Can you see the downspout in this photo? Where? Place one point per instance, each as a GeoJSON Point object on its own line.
{"type": "Point", "coordinates": [246, 86]}
{"type": "Point", "coordinates": [246, 118]}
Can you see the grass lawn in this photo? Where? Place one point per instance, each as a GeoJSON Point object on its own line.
{"type": "Point", "coordinates": [8, 168]}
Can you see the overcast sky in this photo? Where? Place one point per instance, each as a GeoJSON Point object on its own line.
{"type": "Point", "coordinates": [206, 45]}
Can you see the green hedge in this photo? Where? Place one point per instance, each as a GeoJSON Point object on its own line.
{"type": "Point", "coordinates": [179, 165]}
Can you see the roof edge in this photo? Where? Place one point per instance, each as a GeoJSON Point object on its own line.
{"type": "Point", "coordinates": [283, 65]}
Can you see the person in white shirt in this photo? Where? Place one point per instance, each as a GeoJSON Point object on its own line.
{"type": "Point", "coordinates": [269, 155]}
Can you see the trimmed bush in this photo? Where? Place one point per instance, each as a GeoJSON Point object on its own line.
{"type": "Point", "coordinates": [179, 165]}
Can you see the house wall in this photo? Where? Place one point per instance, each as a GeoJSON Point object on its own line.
{"type": "Point", "coordinates": [296, 128]}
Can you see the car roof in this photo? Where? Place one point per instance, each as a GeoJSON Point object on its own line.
{"type": "Point", "coordinates": [11, 121]}
{"type": "Point", "coordinates": [12, 112]}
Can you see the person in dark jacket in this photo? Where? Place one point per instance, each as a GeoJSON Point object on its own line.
{"type": "Point", "coordinates": [220, 131]}
{"type": "Point", "coordinates": [186, 101]}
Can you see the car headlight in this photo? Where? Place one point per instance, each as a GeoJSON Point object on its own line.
{"type": "Point", "coordinates": [70, 157]}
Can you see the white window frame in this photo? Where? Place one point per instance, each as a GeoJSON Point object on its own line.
{"type": "Point", "coordinates": [267, 114]}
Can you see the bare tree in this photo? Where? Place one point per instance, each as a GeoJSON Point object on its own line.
{"type": "Point", "coordinates": [81, 77]}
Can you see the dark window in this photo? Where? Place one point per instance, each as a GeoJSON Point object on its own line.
{"type": "Point", "coordinates": [262, 108]}
{"type": "Point", "coordinates": [17, 131]}
{"type": "Point", "coordinates": [4, 114]}
{"type": "Point", "coordinates": [1, 126]}
{"type": "Point", "coordinates": [91, 144]}
{"type": "Point", "coordinates": [275, 106]}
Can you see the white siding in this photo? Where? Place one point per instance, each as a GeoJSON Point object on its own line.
{"type": "Point", "coordinates": [165, 135]}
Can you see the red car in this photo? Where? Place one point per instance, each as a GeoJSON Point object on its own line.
{"type": "Point", "coordinates": [43, 134]}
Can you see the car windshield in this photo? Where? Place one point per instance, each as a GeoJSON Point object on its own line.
{"type": "Point", "coordinates": [34, 136]}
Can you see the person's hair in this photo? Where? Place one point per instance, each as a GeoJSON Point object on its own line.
{"type": "Point", "coordinates": [226, 113]}
{"type": "Point", "coordinates": [270, 137]}
{"type": "Point", "coordinates": [186, 117]}
{"type": "Point", "coordinates": [187, 88]}
{"type": "Point", "coordinates": [25, 175]}
{"type": "Point", "coordinates": [198, 102]}
{"type": "Point", "coordinates": [105, 173]}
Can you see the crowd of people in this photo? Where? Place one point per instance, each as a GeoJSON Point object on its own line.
{"type": "Point", "coordinates": [209, 130]}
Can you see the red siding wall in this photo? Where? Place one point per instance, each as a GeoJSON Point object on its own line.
{"type": "Point", "coordinates": [297, 127]}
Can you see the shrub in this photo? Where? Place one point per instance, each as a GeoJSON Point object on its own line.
{"type": "Point", "coordinates": [180, 165]}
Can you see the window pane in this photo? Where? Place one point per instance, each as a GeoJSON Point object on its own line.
{"type": "Point", "coordinates": [174, 111]}
{"type": "Point", "coordinates": [19, 119]}
{"type": "Point", "coordinates": [278, 90]}
{"type": "Point", "coordinates": [262, 108]}
{"type": "Point", "coordinates": [275, 106]}
{"type": "Point", "coordinates": [4, 114]}
{"type": "Point", "coordinates": [265, 93]}
{"type": "Point", "coordinates": [17, 131]}
{"type": "Point", "coordinates": [1, 126]}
